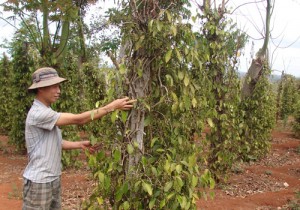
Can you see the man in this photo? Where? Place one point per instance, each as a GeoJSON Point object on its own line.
{"type": "Point", "coordinates": [42, 185]}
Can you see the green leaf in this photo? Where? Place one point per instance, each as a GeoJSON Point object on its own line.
{"type": "Point", "coordinates": [168, 56]}
{"type": "Point", "coordinates": [92, 161]}
{"type": "Point", "coordinates": [126, 205]}
{"type": "Point", "coordinates": [107, 182]}
{"type": "Point", "coordinates": [169, 16]}
{"type": "Point", "coordinates": [117, 155]}
{"type": "Point", "coordinates": [124, 115]}
{"type": "Point", "coordinates": [194, 102]}
{"type": "Point", "coordinates": [135, 144]}
{"type": "Point", "coordinates": [158, 25]}
{"type": "Point", "coordinates": [186, 80]}
{"type": "Point", "coordinates": [122, 68]}
{"type": "Point", "coordinates": [212, 183]}
{"type": "Point", "coordinates": [119, 194]}
{"type": "Point", "coordinates": [97, 104]}
{"type": "Point", "coordinates": [185, 163]}
{"type": "Point", "coordinates": [152, 203]}
{"type": "Point", "coordinates": [154, 171]}
{"type": "Point", "coordinates": [100, 200]}
{"type": "Point", "coordinates": [180, 75]}
{"type": "Point", "coordinates": [178, 183]}
{"type": "Point", "coordinates": [160, 150]}
{"type": "Point", "coordinates": [114, 116]}
{"type": "Point", "coordinates": [194, 18]}
{"type": "Point", "coordinates": [93, 139]}
{"type": "Point", "coordinates": [178, 55]}
{"type": "Point", "coordinates": [179, 168]}
{"type": "Point", "coordinates": [150, 24]}
{"type": "Point", "coordinates": [136, 185]}
{"type": "Point", "coordinates": [167, 166]}
{"type": "Point", "coordinates": [92, 114]}
{"type": "Point", "coordinates": [162, 203]}
{"type": "Point", "coordinates": [101, 177]}
{"type": "Point", "coordinates": [147, 121]}
{"type": "Point", "coordinates": [169, 79]}
{"type": "Point", "coordinates": [153, 141]}
{"type": "Point", "coordinates": [182, 201]}
{"type": "Point", "coordinates": [130, 148]}
{"type": "Point", "coordinates": [144, 160]}
{"type": "Point", "coordinates": [174, 30]}
{"type": "Point", "coordinates": [210, 122]}
{"type": "Point", "coordinates": [168, 186]}
{"type": "Point", "coordinates": [147, 187]}
{"type": "Point", "coordinates": [194, 181]}
{"type": "Point", "coordinates": [170, 195]}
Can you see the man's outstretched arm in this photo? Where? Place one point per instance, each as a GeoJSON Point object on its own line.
{"type": "Point", "coordinates": [85, 117]}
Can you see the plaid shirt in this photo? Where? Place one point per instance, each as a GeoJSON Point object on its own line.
{"type": "Point", "coordinates": [44, 144]}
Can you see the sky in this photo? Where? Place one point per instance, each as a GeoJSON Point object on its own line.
{"type": "Point", "coordinates": [285, 26]}
{"type": "Point", "coordinates": [285, 33]}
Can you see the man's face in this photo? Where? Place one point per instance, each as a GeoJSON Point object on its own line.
{"type": "Point", "coordinates": [50, 94]}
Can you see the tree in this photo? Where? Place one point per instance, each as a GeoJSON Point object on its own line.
{"type": "Point", "coordinates": [47, 43]}
{"type": "Point", "coordinates": [296, 115]}
{"type": "Point", "coordinates": [22, 65]}
{"type": "Point", "coordinates": [153, 161]}
{"type": "Point", "coordinates": [5, 84]}
{"type": "Point", "coordinates": [51, 34]}
{"type": "Point", "coordinates": [289, 97]}
{"type": "Point", "coordinates": [257, 65]}
{"type": "Point", "coordinates": [222, 42]}
{"type": "Point", "coordinates": [258, 101]}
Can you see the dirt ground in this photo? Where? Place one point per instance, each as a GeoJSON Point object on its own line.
{"type": "Point", "coordinates": [272, 183]}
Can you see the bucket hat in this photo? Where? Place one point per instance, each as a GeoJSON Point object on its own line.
{"type": "Point", "coordinates": [44, 77]}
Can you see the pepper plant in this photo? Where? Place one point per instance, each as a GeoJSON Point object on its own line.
{"type": "Point", "coordinates": [150, 159]}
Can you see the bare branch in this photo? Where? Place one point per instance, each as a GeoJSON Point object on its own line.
{"type": "Point", "coordinates": [113, 59]}
{"type": "Point", "coordinates": [8, 22]}
{"type": "Point", "coordinates": [254, 2]}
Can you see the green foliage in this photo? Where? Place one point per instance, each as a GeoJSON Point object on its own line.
{"type": "Point", "coordinates": [258, 112]}
{"type": "Point", "coordinates": [296, 124]}
{"type": "Point", "coordinates": [78, 93]}
{"type": "Point", "coordinates": [222, 42]}
{"type": "Point", "coordinates": [51, 46]}
{"type": "Point", "coordinates": [84, 87]}
{"type": "Point", "coordinates": [289, 97]}
{"type": "Point", "coordinates": [184, 81]}
{"type": "Point", "coordinates": [5, 97]}
{"type": "Point", "coordinates": [161, 170]}
{"type": "Point", "coordinates": [22, 67]}
{"type": "Point", "coordinates": [294, 203]}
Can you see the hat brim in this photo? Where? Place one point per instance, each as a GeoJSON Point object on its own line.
{"type": "Point", "coordinates": [47, 83]}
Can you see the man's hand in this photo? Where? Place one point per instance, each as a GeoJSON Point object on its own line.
{"type": "Point", "coordinates": [86, 145]}
{"type": "Point", "coordinates": [122, 104]}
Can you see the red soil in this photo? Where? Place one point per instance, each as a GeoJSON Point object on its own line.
{"type": "Point", "coordinates": [271, 183]}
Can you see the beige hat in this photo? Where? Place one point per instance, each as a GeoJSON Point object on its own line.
{"type": "Point", "coordinates": [44, 77]}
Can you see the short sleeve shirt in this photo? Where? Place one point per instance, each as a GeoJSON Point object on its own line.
{"type": "Point", "coordinates": [44, 144]}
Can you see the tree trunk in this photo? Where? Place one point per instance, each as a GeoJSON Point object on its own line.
{"type": "Point", "coordinates": [255, 70]}
{"type": "Point", "coordinates": [138, 89]}
{"type": "Point", "coordinates": [252, 77]}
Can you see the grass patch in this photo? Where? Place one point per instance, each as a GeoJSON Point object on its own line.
{"type": "Point", "coordinates": [16, 193]}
